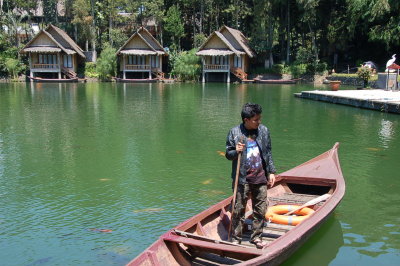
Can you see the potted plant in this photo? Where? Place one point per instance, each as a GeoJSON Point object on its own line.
{"type": "Point", "coordinates": [334, 84]}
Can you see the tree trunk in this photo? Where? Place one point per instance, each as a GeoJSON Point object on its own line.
{"type": "Point", "coordinates": [194, 28]}
{"type": "Point", "coordinates": [201, 16]}
{"type": "Point", "coordinates": [314, 46]}
{"type": "Point", "coordinates": [288, 33]}
{"type": "Point", "coordinates": [270, 35]}
{"type": "Point", "coordinates": [94, 26]}
{"type": "Point", "coordinates": [76, 32]}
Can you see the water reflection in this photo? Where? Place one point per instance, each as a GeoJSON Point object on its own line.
{"type": "Point", "coordinates": [386, 132]}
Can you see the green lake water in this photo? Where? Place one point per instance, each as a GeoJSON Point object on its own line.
{"type": "Point", "coordinates": [92, 174]}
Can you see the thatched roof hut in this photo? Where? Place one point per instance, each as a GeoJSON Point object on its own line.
{"type": "Point", "coordinates": [226, 51]}
{"type": "Point", "coordinates": [52, 52]}
{"type": "Point", "coordinates": [141, 54]}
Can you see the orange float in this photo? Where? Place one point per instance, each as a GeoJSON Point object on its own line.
{"type": "Point", "coordinates": [275, 214]}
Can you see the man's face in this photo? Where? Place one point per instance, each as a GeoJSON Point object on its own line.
{"type": "Point", "coordinates": [253, 122]}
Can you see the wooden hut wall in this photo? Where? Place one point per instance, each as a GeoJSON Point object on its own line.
{"type": "Point", "coordinates": [138, 43]}
{"type": "Point", "coordinates": [43, 40]}
{"type": "Point", "coordinates": [215, 43]}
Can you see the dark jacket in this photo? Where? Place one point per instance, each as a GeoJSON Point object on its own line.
{"type": "Point", "coordinates": [263, 140]}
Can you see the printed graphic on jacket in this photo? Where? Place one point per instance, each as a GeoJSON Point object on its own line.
{"type": "Point", "coordinates": [255, 171]}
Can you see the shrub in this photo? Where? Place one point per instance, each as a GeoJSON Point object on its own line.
{"type": "Point", "coordinates": [186, 65]}
{"type": "Point", "coordinates": [13, 67]}
{"type": "Point", "coordinates": [90, 70]}
{"type": "Point", "coordinates": [298, 69]}
{"type": "Point", "coordinates": [316, 67]}
{"type": "Point", "coordinates": [365, 74]}
{"type": "Point", "coordinates": [106, 65]}
{"type": "Point", "coordinates": [278, 68]}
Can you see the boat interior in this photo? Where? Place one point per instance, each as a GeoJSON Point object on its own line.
{"type": "Point", "coordinates": [203, 240]}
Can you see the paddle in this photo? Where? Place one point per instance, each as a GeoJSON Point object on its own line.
{"type": "Point", "coordinates": [309, 203]}
{"type": "Point", "coordinates": [234, 194]}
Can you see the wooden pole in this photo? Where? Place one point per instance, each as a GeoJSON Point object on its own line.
{"type": "Point", "coordinates": [234, 194]}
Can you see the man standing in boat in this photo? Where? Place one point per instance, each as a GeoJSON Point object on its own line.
{"type": "Point", "coordinates": [256, 170]}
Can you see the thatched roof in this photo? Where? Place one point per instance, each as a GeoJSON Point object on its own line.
{"type": "Point", "coordinates": [63, 38]}
{"type": "Point", "coordinates": [240, 39]}
{"type": "Point", "coordinates": [137, 52]}
{"type": "Point", "coordinates": [215, 52]}
{"type": "Point", "coordinates": [41, 49]}
{"type": "Point", "coordinates": [233, 41]}
{"type": "Point", "coordinates": [154, 47]}
{"type": "Point", "coordinates": [151, 40]}
{"type": "Point", "coordinates": [60, 40]}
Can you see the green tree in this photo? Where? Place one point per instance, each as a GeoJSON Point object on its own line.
{"type": "Point", "coordinates": [13, 67]}
{"type": "Point", "coordinates": [174, 26]}
{"type": "Point", "coordinates": [82, 19]}
{"type": "Point", "coordinates": [106, 64]}
{"type": "Point", "coordinates": [186, 65]}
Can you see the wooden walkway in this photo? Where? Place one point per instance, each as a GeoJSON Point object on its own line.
{"type": "Point", "coordinates": [379, 100]}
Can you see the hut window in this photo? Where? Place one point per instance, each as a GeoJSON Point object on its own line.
{"type": "Point", "coordinates": [238, 61]}
{"type": "Point", "coordinates": [136, 60]}
{"type": "Point", "coordinates": [68, 61]}
{"type": "Point", "coordinates": [219, 60]}
{"type": "Point", "coordinates": [154, 61]}
{"type": "Point", "coordinates": [47, 59]}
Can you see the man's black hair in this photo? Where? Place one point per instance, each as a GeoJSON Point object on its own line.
{"type": "Point", "coordinates": [250, 109]}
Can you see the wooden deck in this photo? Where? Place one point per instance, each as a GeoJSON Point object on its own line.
{"type": "Point", "coordinates": [379, 100]}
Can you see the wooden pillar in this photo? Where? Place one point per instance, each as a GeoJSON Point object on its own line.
{"type": "Point", "coordinates": [228, 79]}
{"type": "Point", "coordinates": [204, 74]}
{"type": "Point", "coordinates": [30, 65]}
{"type": "Point", "coordinates": [123, 66]}
{"type": "Point", "coordinates": [59, 65]}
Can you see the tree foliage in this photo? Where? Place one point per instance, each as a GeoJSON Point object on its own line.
{"type": "Point", "coordinates": [339, 32]}
{"type": "Point", "coordinates": [186, 65]}
{"type": "Point", "coordinates": [174, 26]}
{"type": "Point", "coordinates": [106, 65]}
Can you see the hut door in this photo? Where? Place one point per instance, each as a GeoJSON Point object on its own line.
{"type": "Point", "coordinates": [238, 62]}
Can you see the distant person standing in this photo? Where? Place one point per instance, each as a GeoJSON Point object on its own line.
{"type": "Point", "coordinates": [257, 169]}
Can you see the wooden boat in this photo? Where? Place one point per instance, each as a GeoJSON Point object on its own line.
{"type": "Point", "coordinates": [37, 79]}
{"type": "Point", "coordinates": [276, 81]}
{"type": "Point", "coordinates": [202, 239]}
{"type": "Point", "coordinates": [136, 80]}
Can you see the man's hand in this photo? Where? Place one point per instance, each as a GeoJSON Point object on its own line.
{"type": "Point", "coordinates": [239, 147]}
{"type": "Point", "coordinates": [271, 180]}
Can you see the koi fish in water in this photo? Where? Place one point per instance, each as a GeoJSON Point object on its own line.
{"type": "Point", "coordinates": [221, 153]}
{"type": "Point", "coordinates": [100, 230]}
